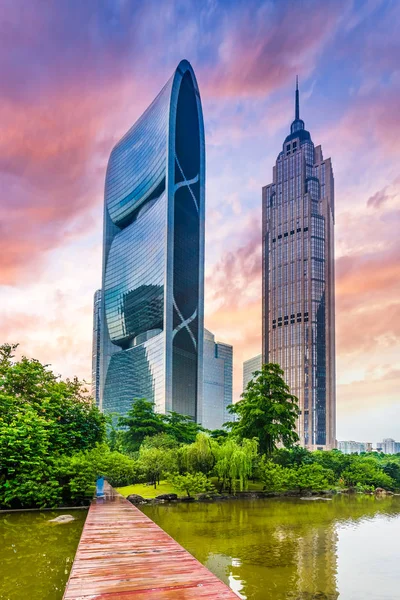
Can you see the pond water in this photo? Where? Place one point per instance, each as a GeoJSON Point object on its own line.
{"type": "Point", "coordinates": [292, 549]}
{"type": "Point", "coordinates": [36, 556]}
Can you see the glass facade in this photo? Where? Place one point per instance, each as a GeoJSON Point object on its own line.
{"type": "Point", "coordinates": [153, 257]}
{"type": "Point", "coordinates": [298, 281]}
{"type": "Point", "coordinates": [249, 367]}
{"type": "Point", "coordinates": [217, 390]}
{"type": "Point", "coordinates": [96, 341]}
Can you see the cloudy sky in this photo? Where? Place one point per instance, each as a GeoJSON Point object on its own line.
{"type": "Point", "coordinates": [75, 76]}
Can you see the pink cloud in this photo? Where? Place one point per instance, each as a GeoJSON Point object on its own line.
{"type": "Point", "coordinates": [265, 47]}
{"type": "Point", "coordinates": [368, 130]}
{"type": "Point", "coordinates": [378, 199]}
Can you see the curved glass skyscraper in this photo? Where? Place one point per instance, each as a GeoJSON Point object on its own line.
{"type": "Point", "coordinates": [153, 256]}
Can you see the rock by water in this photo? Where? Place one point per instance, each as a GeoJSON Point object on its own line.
{"type": "Point", "coordinates": [167, 497]}
{"type": "Point", "coordinates": [63, 519]}
{"type": "Point", "coordinates": [136, 499]}
{"type": "Point", "coordinates": [315, 498]}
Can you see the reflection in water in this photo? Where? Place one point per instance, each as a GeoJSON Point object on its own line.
{"type": "Point", "coordinates": [35, 556]}
{"type": "Point", "coordinates": [290, 549]}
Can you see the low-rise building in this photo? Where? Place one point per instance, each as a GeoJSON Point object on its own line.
{"type": "Point", "coordinates": [249, 367]}
{"type": "Point", "coordinates": [388, 446]}
{"type": "Point", "coordinates": [217, 382]}
{"type": "Point", "coordinates": [352, 447]}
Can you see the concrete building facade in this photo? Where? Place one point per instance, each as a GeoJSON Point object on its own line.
{"type": "Point", "coordinates": [217, 386]}
{"type": "Point", "coordinates": [249, 367]}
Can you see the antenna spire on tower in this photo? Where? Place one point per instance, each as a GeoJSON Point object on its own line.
{"type": "Point", "coordinates": [297, 105]}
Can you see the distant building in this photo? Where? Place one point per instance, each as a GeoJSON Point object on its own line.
{"type": "Point", "coordinates": [351, 447]}
{"type": "Point", "coordinates": [96, 344]}
{"type": "Point", "coordinates": [249, 367]}
{"type": "Point", "coordinates": [217, 382]}
{"type": "Point", "coordinates": [299, 282]}
{"type": "Point", "coordinates": [388, 446]}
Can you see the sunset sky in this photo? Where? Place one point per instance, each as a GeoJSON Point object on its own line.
{"type": "Point", "coordinates": [75, 75]}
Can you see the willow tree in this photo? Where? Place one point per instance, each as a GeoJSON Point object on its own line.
{"type": "Point", "coordinates": [267, 411]}
{"type": "Point", "coordinates": [236, 463]}
{"type": "Point", "coordinates": [201, 456]}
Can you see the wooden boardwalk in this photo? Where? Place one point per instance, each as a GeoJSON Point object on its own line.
{"type": "Point", "coordinates": [123, 555]}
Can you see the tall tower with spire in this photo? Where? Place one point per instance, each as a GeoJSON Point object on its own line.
{"type": "Point", "coordinates": [298, 280]}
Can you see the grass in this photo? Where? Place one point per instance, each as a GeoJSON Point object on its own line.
{"type": "Point", "coordinates": [252, 486]}
{"type": "Point", "coordinates": [148, 491]}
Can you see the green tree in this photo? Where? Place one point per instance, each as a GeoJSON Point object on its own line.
{"type": "Point", "coordinates": [191, 483]}
{"type": "Point", "coordinates": [275, 477]}
{"type": "Point", "coordinates": [292, 457]}
{"type": "Point", "coordinates": [156, 463]}
{"type": "Point", "coordinates": [163, 441]}
{"type": "Point", "coordinates": [140, 422]}
{"type": "Point", "coordinates": [313, 477]}
{"type": "Point", "coordinates": [219, 434]}
{"type": "Point", "coordinates": [41, 420]}
{"type": "Point", "coordinates": [73, 422]}
{"type": "Point", "coordinates": [334, 460]}
{"type": "Point", "coordinates": [181, 427]}
{"type": "Point", "coordinates": [115, 437]}
{"type": "Point", "coordinates": [392, 469]}
{"type": "Point", "coordinates": [201, 456]}
{"type": "Point", "coordinates": [78, 473]}
{"type": "Point", "coordinates": [236, 463]}
{"type": "Point", "coordinates": [267, 411]}
{"type": "Point", "coordinates": [367, 472]}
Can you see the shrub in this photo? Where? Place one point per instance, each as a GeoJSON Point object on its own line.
{"type": "Point", "coordinates": [313, 477]}
{"type": "Point", "coordinates": [191, 483]}
{"type": "Point", "coordinates": [79, 472]}
{"type": "Point", "coordinates": [367, 472]}
{"type": "Point", "coordinates": [275, 477]}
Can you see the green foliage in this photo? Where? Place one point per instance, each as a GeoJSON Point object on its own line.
{"type": "Point", "coordinates": [367, 472]}
{"type": "Point", "coordinates": [156, 462]}
{"type": "Point", "coordinates": [201, 456]}
{"type": "Point", "coordinates": [292, 457]}
{"type": "Point", "coordinates": [362, 489]}
{"type": "Point", "coordinates": [160, 440]}
{"type": "Point", "coordinates": [42, 419]}
{"type": "Point", "coordinates": [313, 477]}
{"type": "Point", "coordinates": [72, 421]}
{"type": "Point", "coordinates": [267, 411]}
{"type": "Point", "coordinates": [305, 477]}
{"type": "Point", "coordinates": [333, 460]}
{"type": "Point", "coordinates": [236, 461]}
{"type": "Point", "coordinates": [191, 483]}
{"type": "Point", "coordinates": [275, 477]}
{"type": "Point", "coordinates": [181, 427]}
{"type": "Point", "coordinates": [115, 437]}
{"type": "Point", "coordinates": [392, 469]}
{"type": "Point", "coordinates": [79, 472]}
{"type": "Point", "coordinates": [52, 443]}
{"type": "Point", "coordinates": [141, 422]}
{"type": "Point", "coordinates": [219, 434]}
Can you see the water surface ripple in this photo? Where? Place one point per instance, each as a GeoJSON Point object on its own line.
{"type": "Point", "coordinates": [35, 555]}
{"type": "Point", "coordinates": [292, 549]}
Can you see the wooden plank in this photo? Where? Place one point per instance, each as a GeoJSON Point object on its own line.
{"type": "Point", "coordinates": [122, 555]}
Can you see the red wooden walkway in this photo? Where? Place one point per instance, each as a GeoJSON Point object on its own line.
{"type": "Point", "coordinates": [123, 555]}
